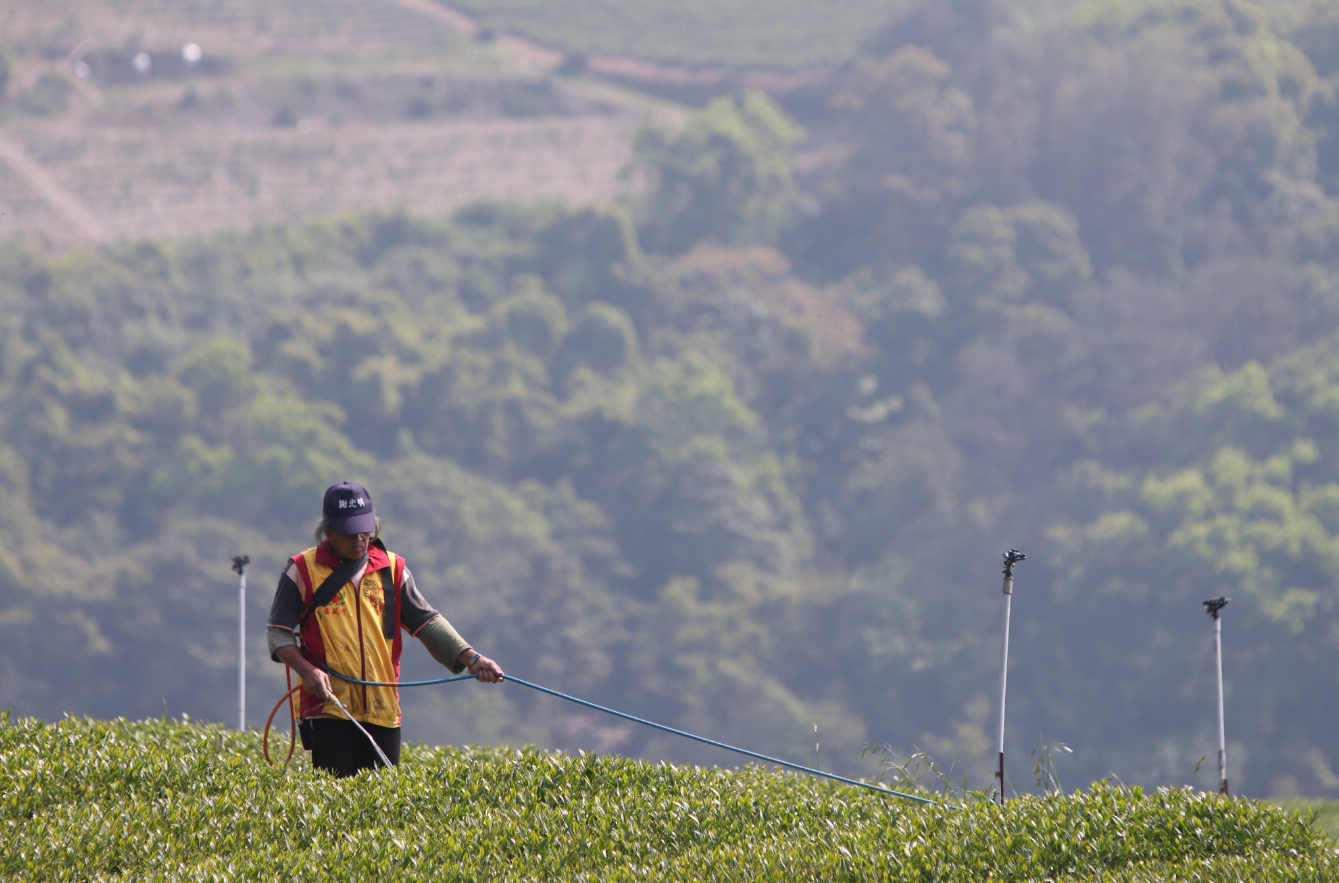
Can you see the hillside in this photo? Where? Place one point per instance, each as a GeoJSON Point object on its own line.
{"type": "Point", "coordinates": [736, 449]}
{"type": "Point", "coordinates": [93, 800]}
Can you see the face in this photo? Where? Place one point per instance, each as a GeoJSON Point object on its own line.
{"type": "Point", "coordinates": [349, 546]}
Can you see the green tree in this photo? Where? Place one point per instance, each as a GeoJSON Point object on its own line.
{"type": "Point", "coordinates": [913, 132]}
{"type": "Point", "coordinates": [724, 178]}
{"type": "Point", "coordinates": [6, 72]}
{"type": "Point", "coordinates": [292, 446]}
{"type": "Point", "coordinates": [1240, 504]}
{"type": "Point", "coordinates": [996, 258]}
{"type": "Point", "coordinates": [220, 375]}
{"type": "Point", "coordinates": [601, 338]}
{"type": "Point", "coordinates": [590, 253]}
{"type": "Point", "coordinates": [1143, 117]}
{"type": "Point", "coordinates": [531, 319]}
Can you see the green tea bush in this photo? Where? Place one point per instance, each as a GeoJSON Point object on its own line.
{"type": "Point", "coordinates": [172, 800]}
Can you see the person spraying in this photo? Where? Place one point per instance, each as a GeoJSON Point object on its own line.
{"type": "Point", "coordinates": [343, 606]}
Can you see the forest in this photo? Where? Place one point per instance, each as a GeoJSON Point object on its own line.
{"type": "Point", "coordinates": [741, 452]}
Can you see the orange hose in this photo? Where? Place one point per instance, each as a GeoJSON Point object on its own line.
{"type": "Point", "coordinates": [293, 721]}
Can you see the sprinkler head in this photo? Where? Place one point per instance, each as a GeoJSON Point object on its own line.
{"type": "Point", "coordinates": [1212, 607]}
{"type": "Point", "coordinates": [1012, 557]}
{"type": "Point", "coordinates": [239, 562]}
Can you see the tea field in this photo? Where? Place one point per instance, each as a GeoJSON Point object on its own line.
{"type": "Point", "coordinates": [172, 800]}
{"type": "Point", "coordinates": [776, 34]}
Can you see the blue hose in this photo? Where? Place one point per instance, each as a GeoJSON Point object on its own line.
{"type": "Point", "coordinates": [637, 720]}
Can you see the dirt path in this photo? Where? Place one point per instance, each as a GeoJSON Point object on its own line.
{"type": "Point", "coordinates": [458, 20]}
{"type": "Point", "coordinates": [86, 225]}
{"type": "Point", "coordinates": [531, 55]}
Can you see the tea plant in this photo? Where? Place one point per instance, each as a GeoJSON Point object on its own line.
{"type": "Point", "coordinates": [172, 800]}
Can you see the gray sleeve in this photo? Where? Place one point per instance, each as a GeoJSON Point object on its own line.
{"type": "Point", "coordinates": [286, 608]}
{"type": "Point", "coordinates": [443, 642]}
{"type": "Point", "coordinates": [277, 637]}
{"type": "Point", "coordinates": [417, 612]}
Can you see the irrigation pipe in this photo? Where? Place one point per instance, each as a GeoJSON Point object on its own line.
{"type": "Point", "coordinates": [239, 563]}
{"type": "Point", "coordinates": [634, 719]}
{"type": "Point", "coordinates": [1214, 609]}
{"type": "Point", "coordinates": [1011, 558]}
{"type": "Point", "coordinates": [292, 714]}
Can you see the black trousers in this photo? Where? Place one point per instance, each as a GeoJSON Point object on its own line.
{"type": "Point", "coordinates": [339, 748]}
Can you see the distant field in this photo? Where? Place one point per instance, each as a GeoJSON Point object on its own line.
{"type": "Point", "coordinates": [1327, 814]}
{"type": "Point", "coordinates": [230, 26]}
{"type": "Point", "coordinates": [150, 184]}
{"type": "Point", "coordinates": [298, 109]}
{"type": "Point", "coordinates": [780, 34]}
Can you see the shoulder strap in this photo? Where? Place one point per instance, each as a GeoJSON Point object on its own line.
{"type": "Point", "coordinates": [333, 583]}
{"type": "Point", "coordinates": [390, 621]}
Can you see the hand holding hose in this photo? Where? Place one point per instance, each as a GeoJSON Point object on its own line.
{"type": "Point", "coordinates": [317, 683]}
{"type": "Point", "coordinates": [314, 680]}
{"type": "Point", "coordinates": [484, 668]}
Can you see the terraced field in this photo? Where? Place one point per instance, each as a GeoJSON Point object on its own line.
{"type": "Point", "coordinates": [230, 26]}
{"type": "Point", "coordinates": [774, 34]}
{"type": "Point", "coordinates": [298, 109]}
{"type": "Point", "coordinates": [146, 184]}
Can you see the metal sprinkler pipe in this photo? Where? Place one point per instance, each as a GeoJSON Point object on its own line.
{"type": "Point", "coordinates": [1012, 557]}
{"type": "Point", "coordinates": [1213, 608]}
{"type": "Point", "coordinates": [239, 563]}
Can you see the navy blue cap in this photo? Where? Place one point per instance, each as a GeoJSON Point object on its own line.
{"type": "Point", "coordinates": [348, 508]}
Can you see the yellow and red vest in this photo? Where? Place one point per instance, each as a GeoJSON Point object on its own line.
{"type": "Point", "coordinates": [346, 635]}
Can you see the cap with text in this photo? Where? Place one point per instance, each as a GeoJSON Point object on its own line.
{"type": "Point", "coordinates": [348, 508]}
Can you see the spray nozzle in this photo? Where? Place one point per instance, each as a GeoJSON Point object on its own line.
{"type": "Point", "coordinates": [1212, 607]}
{"type": "Point", "coordinates": [1012, 557]}
{"type": "Point", "coordinates": [239, 562]}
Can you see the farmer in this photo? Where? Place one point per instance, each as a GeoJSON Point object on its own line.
{"type": "Point", "coordinates": [342, 605]}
